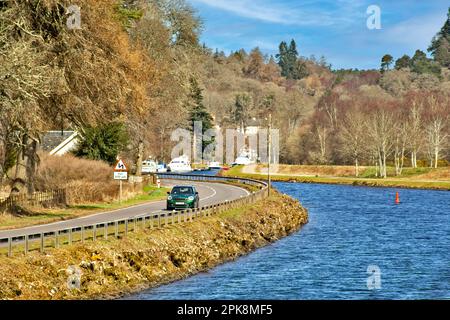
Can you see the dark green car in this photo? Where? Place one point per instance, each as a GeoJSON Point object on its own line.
{"type": "Point", "coordinates": [183, 197]}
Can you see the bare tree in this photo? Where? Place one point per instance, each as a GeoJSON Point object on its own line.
{"type": "Point", "coordinates": [400, 142]}
{"type": "Point", "coordinates": [437, 136]}
{"type": "Point", "coordinates": [321, 134]}
{"type": "Point", "coordinates": [380, 130]}
{"type": "Point", "coordinates": [354, 140]}
{"type": "Point", "coordinates": [415, 131]}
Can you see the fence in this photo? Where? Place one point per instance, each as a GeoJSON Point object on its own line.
{"type": "Point", "coordinates": [45, 199]}
{"type": "Point", "coordinates": [119, 228]}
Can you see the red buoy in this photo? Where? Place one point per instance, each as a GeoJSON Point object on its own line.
{"type": "Point", "coordinates": [397, 198]}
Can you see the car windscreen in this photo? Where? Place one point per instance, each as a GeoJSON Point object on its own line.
{"type": "Point", "coordinates": [182, 190]}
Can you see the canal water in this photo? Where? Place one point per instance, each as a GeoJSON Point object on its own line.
{"type": "Point", "coordinates": [358, 245]}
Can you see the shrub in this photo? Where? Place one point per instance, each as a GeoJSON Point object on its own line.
{"type": "Point", "coordinates": [102, 142]}
{"type": "Point", "coordinates": [86, 181]}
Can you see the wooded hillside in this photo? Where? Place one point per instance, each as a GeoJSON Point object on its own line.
{"type": "Point", "coordinates": [138, 65]}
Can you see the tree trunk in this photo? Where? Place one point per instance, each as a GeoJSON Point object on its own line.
{"type": "Point", "coordinates": [376, 167]}
{"type": "Point", "coordinates": [19, 183]}
{"type": "Point", "coordinates": [414, 159]}
{"type": "Point", "coordinates": [402, 161]}
{"type": "Point", "coordinates": [31, 165]}
{"type": "Point", "coordinates": [139, 158]}
{"type": "Point", "coordinates": [436, 158]}
{"type": "Point", "coordinates": [26, 165]}
{"type": "Point", "coordinates": [356, 167]}
{"type": "Point", "coordinates": [384, 166]}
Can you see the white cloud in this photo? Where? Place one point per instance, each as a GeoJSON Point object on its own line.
{"type": "Point", "coordinates": [305, 13]}
{"type": "Point", "coordinates": [414, 33]}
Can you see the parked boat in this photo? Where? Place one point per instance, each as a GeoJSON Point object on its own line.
{"type": "Point", "coordinates": [180, 165]}
{"type": "Point", "coordinates": [214, 165]}
{"type": "Point", "coordinates": [149, 166]}
{"type": "Point", "coordinates": [245, 158]}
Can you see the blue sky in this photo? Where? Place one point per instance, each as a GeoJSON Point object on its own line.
{"type": "Point", "coordinates": [336, 29]}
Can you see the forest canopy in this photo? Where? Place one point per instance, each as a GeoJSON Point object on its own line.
{"type": "Point", "coordinates": [140, 65]}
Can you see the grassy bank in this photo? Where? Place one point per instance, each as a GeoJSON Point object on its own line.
{"type": "Point", "coordinates": [422, 178]}
{"type": "Point", "coordinates": [37, 216]}
{"type": "Point", "coordinates": [150, 258]}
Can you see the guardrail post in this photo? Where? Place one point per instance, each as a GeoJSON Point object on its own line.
{"type": "Point", "coordinates": [135, 224]}
{"type": "Point", "coordinates": [166, 222]}
{"type": "Point", "coordinates": [116, 229]}
{"type": "Point", "coordinates": [56, 239]}
{"type": "Point", "coordinates": [94, 233]}
{"type": "Point", "coordinates": [159, 220]}
{"type": "Point", "coordinates": [26, 244]}
{"type": "Point", "coordinates": [9, 247]}
{"type": "Point", "coordinates": [82, 234]}
{"type": "Point", "coordinates": [126, 226]}
{"type": "Point", "coordinates": [70, 236]}
{"type": "Point", "coordinates": [106, 231]}
{"type": "Point", "coordinates": [42, 242]}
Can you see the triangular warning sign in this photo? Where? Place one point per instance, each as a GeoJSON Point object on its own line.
{"type": "Point", "coordinates": [120, 166]}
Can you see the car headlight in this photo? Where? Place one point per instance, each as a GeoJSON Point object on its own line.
{"type": "Point", "coordinates": [191, 198]}
{"type": "Point", "coordinates": [169, 198]}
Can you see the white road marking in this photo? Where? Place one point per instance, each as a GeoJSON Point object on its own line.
{"type": "Point", "coordinates": [81, 219]}
{"type": "Point", "coordinates": [214, 193]}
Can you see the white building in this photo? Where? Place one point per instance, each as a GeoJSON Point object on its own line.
{"type": "Point", "coordinates": [59, 142]}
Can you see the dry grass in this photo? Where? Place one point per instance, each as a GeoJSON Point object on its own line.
{"type": "Point", "coordinates": [437, 174]}
{"type": "Point", "coordinates": [435, 179]}
{"type": "Point", "coordinates": [86, 181]}
{"type": "Point", "coordinates": [341, 171]}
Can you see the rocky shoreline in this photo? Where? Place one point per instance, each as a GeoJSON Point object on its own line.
{"type": "Point", "coordinates": [149, 258]}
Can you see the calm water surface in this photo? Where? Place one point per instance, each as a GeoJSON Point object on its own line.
{"type": "Point", "coordinates": [350, 229]}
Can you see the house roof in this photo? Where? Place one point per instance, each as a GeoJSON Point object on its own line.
{"type": "Point", "coordinates": [52, 139]}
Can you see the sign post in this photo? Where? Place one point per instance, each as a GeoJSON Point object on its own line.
{"type": "Point", "coordinates": [120, 173]}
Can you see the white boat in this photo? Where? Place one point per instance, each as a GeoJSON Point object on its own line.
{"type": "Point", "coordinates": [245, 158]}
{"type": "Point", "coordinates": [180, 165]}
{"type": "Point", "coordinates": [161, 168]}
{"type": "Point", "coordinates": [242, 160]}
{"type": "Point", "coordinates": [149, 166]}
{"type": "Point", "coordinates": [214, 165]}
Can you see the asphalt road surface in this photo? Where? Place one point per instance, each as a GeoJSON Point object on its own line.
{"type": "Point", "coordinates": [210, 193]}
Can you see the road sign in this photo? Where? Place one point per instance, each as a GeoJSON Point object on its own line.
{"type": "Point", "coordinates": [120, 166]}
{"type": "Point", "coordinates": [120, 175]}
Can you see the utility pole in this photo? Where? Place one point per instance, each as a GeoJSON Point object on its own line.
{"type": "Point", "coordinates": [269, 152]}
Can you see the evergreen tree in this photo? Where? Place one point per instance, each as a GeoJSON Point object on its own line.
{"type": "Point", "coordinates": [293, 53]}
{"type": "Point", "coordinates": [386, 62]}
{"type": "Point", "coordinates": [241, 110]}
{"type": "Point", "coordinates": [421, 64]}
{"type": "Point", "coordinates": [197, 109]}
{"type": "Point", "coordinates": [403, 62]}
{"type": "Point", "coordinates": [291, 66]}
{"type": "Point", "coordinates": [102, 143]}
{"type": "Point", "coordinates": [283, 59]}
{"type": "Point", "coordinates": [440, 45]}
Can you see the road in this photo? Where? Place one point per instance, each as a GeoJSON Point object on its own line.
{"type": "Point", "coordinates": [210, 193]}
